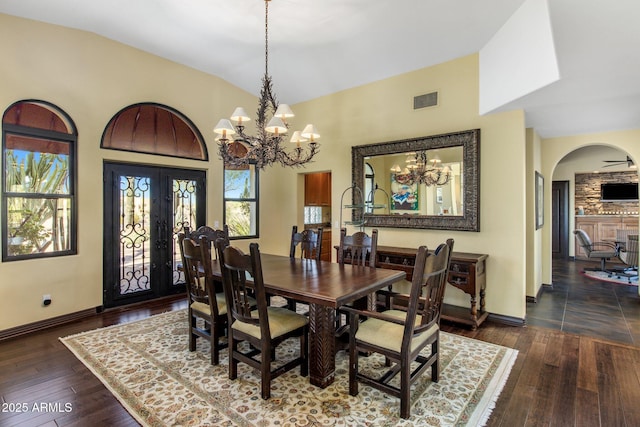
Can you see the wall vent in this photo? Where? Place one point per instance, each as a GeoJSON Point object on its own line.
{"type": "Point", "coordinates": [426, 100]}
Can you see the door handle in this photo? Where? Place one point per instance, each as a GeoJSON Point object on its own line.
{"type": "Point", "coordinates": [161, 229]}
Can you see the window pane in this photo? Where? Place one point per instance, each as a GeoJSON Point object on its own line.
{"type": "Point", "coordinates": [36, 172]}
{"type": "Point", "coordinates": [241, 218]}
{"type": "Point", "coordinates": [40, 225]}
{"type": "Point", "coordinates": [312, 214]}
{"type": "Point", "coordinates": [240, 184]}
{"type": "Point", "coordinates": [38, 204]}
{"type": "Point", "coordinates": [135, 234]}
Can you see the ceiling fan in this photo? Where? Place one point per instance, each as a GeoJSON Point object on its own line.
{"type": "Point", "coordinates": [628, 161]}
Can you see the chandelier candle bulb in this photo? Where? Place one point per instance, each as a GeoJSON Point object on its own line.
{"type": "Point", "coordinates": [284, 112]}
{"type": "Point", "coordinates": [224, 128]}
{"type": "Point", "coordinates": [310, 132]}
{"type": "Point", "coordinates": [276, 126]}
{"type": "Point", "coordinates": [297, 138]}
{"type": "Point", "coordinates": [239, 116]}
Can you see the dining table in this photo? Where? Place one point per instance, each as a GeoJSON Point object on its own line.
{"type": "Point", "coordinates": [324, 286]}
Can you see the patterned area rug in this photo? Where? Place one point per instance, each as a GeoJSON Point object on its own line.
{"type": "Point", "coordinates": [630, 278]}
{"type": "Point", "coordinates": [147, 366]}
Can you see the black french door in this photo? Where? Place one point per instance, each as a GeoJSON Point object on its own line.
{"type": "Point", "coordinates": [145, 207]}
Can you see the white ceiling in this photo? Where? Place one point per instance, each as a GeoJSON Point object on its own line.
{"type": "Point", "coordinates": [321, 47]}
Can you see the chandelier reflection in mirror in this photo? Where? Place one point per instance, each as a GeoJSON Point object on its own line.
{"type": "Point", "coordinates": [421, 170]}
{"type": "Point", "coordinates": [267, 146]}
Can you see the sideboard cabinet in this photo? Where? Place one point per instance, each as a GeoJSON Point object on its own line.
{"type": "Point", "coordinates": [467, 272]}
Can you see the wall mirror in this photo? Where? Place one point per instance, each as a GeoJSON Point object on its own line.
{"type": "Point", "coordinates": [395, 197]}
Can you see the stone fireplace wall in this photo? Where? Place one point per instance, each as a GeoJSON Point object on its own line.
{"type": "Point", "coordinates": [587, 193]}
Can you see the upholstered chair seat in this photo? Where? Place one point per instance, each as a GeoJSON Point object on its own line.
{"type": "Point", "coordinates": [281, 321]}
{"type": "Point", "coordinates": [389, 335]}
{"type": "Point", "coordinates": [201, 307]}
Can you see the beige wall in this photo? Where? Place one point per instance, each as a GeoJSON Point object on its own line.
{"type": "Point", "coordinates": [534, 237]}
{"type": "Point", "coordinates": [362, 115]}
{"type": "Point", "coordinates": [92, 78]}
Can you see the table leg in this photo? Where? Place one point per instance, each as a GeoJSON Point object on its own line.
{"type": "Point", "coordinates": [322, 353]}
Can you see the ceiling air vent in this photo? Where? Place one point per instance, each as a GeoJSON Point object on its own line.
{"type": "Point", "coordinates": [426, 100]}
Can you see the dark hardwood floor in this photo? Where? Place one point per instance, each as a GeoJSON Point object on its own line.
{"type": "Point", "coordinates": [584, 306]}
{"type": "Point", "coordinates": [573, 369]}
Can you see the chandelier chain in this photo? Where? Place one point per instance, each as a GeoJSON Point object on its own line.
{"type": "Point", "coordinates": [266, 37]}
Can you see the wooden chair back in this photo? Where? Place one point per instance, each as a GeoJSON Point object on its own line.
{"type": "Point", "coordinates": [309, 242]}
{"type": "Point", "coordinates": [237, 268]}
{"type": "Point", "coordinates": [427, 289]}
{"type": "Point", "coordinates": [358, 248]}
{"type": "Point", "coordinates": [203, 303]}
{"type": "Point", "coordinates": [210, 233]}
{"type": "Point", "coordinates": [199, 284]}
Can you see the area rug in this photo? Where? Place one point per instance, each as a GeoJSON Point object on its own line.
{"type": "Point", "coordinates": [604, 276]}
{"type": "Point", "coordinates": [147, 366]}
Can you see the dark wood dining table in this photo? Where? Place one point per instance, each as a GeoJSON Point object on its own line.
{"type": "Point", "coordinates": [325, 286]}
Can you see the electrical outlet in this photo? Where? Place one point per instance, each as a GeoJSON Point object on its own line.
{"type": "Point", "coordinates": [216, 224]}
{"type": "Point", "coordinates": [46, 299]}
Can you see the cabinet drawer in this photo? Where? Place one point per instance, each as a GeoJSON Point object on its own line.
{"type": "Point", "coordinates": [406, 268]}
{"type": "Point", "coordinates": [396, 260]}
{"type": "Point", "coordinates": [459, 267]}
{"type": "Point", "coordinates": [461, 281]}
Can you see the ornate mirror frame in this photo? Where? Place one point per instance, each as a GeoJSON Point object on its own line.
{"type": "Point", "coordinates": [470, 142]}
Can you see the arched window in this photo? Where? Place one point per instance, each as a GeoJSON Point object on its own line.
{"type": "Point", "coordinates": [39, 187]}
{"type": "Point", "coordinates": [154, 129]}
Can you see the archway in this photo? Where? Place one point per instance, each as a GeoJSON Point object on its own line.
{"type": "Point", "coordinates": [584, 169]}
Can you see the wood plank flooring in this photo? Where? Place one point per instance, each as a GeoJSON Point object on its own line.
{"type": "Point", "coordinates": [559, 378]}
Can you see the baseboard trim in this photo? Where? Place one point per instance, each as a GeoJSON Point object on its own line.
{"type": "Point", "coordinates": [506, 320]}
{"type": "Point", "coordinates": [44, 324]}
{"type": "Point", "coordinates": [544, 286]}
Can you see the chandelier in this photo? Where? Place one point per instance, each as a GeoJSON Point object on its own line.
{"type": "Point", "coordinates": [420, 170]}
{"type": "Point", "coordinates": [238, 149]}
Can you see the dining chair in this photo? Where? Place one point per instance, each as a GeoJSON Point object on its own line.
{"type": "Point", "coordinates": [308, 241]}
{"type": "Point", "coordinates": [358, 249]}
{"type": "Point", "coordinates": [308, 245]}
{"type": "Point", "coordinates": [397, 295]}
{"type": "Point", "coordinates": [204, 305]}
{"type": "Point", "coordinates": [263, 328]}
{"type": "Point", "coordinates": [400, 336]}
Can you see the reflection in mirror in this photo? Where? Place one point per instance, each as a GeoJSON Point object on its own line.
{"type": "Point", "coordinates": [427, 182]}
{"type": "Point", "coordinates": [430, 185]}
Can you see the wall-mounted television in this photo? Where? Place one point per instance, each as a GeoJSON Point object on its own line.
{"type": "Point", "coordinates": [619, 192]}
